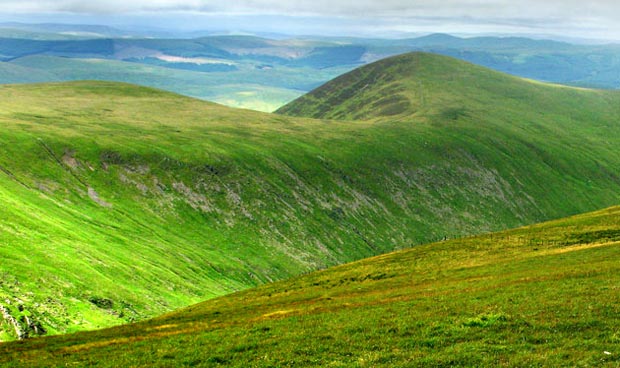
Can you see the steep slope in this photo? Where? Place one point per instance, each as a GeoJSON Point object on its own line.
{"type": "Point", "coordinates": [122, 202]}
{"type": "Point", "coordinates": [545, 295]}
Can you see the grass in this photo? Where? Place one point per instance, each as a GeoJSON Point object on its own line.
{"type": "Point", "coordinates": [524, 297]}
{"type": "Point", "coordinates": [121, 203]}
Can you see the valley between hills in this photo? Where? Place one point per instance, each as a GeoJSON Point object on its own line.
{"type": "Point", "coordinates": [124, 203]}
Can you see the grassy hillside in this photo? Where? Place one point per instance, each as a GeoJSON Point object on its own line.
{"type": "Point", "coordinates": [123, 202]}
{"type": "Point", "coordinates": [422, 84]}
{"type": "Point", "coordinates": [545, 295]}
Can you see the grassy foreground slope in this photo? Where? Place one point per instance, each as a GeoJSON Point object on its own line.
{"type": "Point", "coordinates": [122, 202]}
{"type": "Point", "coordinates": [544, 296]}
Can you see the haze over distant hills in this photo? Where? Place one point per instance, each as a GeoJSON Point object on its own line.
{"type": "Point", "coordinates": [264, 74]}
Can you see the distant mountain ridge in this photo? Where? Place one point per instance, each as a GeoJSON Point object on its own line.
{"type": "Point", "coordinates": [76, 30]}
{"type": "Point", "coordinates": [265, 73]}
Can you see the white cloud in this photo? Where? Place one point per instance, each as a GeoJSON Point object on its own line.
{"type": "Point", "coordinates": [467, 8]}
{"type": "Point", "coordinates": [556, 16]}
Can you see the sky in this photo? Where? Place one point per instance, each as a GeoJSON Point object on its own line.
{"type": "Point", "coordinates": [594, 19]}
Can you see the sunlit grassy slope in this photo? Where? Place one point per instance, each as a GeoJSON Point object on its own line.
{"type": "Point", "coordinates": [121, 202]}
{"type": "Point", "coordinates": [540, 296]}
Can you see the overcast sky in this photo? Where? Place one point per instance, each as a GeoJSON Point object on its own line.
{"type": "Point", "coordinates": [573, 18]}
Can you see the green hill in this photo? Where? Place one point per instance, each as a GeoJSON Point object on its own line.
{"type": "Point", "coordinates": [440, 88]}
{"type": "Point", "coordinates": [122, 202]}
{"type": "Point", "coordinates": [543, 296]}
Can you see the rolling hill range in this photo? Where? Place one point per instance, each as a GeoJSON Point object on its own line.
{"type": "Point", "coordinates": [247, 88]}
{"type": "Point", "coordinates": [545, 295]}
{"type": "Point", "coordinates": [240, 71]}
{"type": "Point", "coordinates": [123, 202]}
{"type": "Point", "coordinates": [262, 73]}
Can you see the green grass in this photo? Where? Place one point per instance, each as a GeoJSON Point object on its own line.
{"type": "Point", "coordinates": [122, 202]}
{"type": "Point", "coordinates": [534, 296]}
{"type": "Point", "coordinates": [433, 86]}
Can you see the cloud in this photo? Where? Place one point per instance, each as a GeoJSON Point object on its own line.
{"type": "Point", "coordinates": [557, 16]}
{"type": "Point", "coordinates": [361, 8]}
